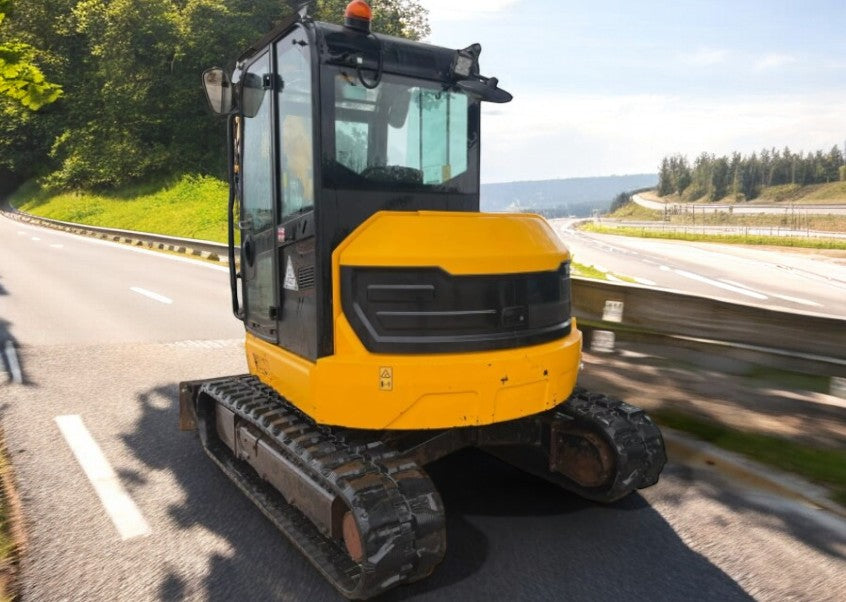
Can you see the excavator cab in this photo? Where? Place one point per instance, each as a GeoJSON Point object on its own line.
{"type": "Point", "coordinates": [331, 125]}
{"type": "Point", "coordinates": [388, 322]}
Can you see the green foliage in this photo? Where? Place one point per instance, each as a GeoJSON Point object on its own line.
{"type": "Point", "coordinates": [192, 206]}
{"type": "Point", "coordinates": [742, 178]}
{"type": "Point", "coordinates": [20, 78]}
{"type": "Point", "coordinates": [133, 106]}
{"type": "Point", "coordinates": [620, 200]}
{"type": "Point", "coordinates": [842, 171]}
{"type": "Point", "coordinates": [401, 18]}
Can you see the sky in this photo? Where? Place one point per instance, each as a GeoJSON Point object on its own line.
{"type": "Point", "coordinates": [611, 87]}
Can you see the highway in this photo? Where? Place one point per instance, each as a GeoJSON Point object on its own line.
{"type": "Point", "coordinates": [793, 281]}
{"type": "Point", "coordinates": [744, 208]}
{"type": "Point", "coordinates": [103, 334]}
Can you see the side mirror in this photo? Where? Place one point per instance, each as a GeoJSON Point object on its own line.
{"type": "Point", "coordinates": [218, 90]}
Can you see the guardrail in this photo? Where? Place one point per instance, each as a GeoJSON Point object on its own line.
{"type": "Point", "coordinates": [729, 332]}
{"type": "Point", "coordinates": [718, 332]}
{"type": "Point", "coordinates": [206, 249]}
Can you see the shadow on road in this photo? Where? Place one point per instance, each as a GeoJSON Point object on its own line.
{"type": "Point", "coordinates": [510, 535]}
{"type": "Point", "coordinates": [740, 402]}
{"type": "Point", "coordinates": [10, 359]}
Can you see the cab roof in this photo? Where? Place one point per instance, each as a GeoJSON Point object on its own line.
{"type": "Point", "coordinates": [340, 45]}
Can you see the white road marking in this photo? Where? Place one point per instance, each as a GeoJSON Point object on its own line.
{"type": "Point", "coordinates": [664, 268]}
{"type": "Point", "coordinates": [206, 344]}
{"type": "Point", "coordinates": [722, 285]}
{"type": "Point", "coordinates": [784, 297]}
{"type": "Point", "coordinates": [125, 247]}
{"type": "Point", "coordinates": [797, 300]}
{"type": "Point", "coordinates": [35, 238]}
{"type": "Point", "coordinates": [57, 246]}
{"type": "Point", "coordinates": [613, 278]}
{"type": "Point", "coordinates": [733, 283]}
{"type": "Point", "coordinates": [125, 515]}
{"type": "Point", "coordinates": [644, 281]}
{"type": "Point", "coordinates": [14, 364]}
{"type": "Point", "coordinates": [600, 267]}
{"type": "Point", "coordinates": [151, 295]}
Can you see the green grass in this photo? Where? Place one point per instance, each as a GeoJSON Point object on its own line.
{"type": "Point", "coordinates": [190, 207]}
{"type": "Point", "coordinates": [780, 218]}
{"type": "Point", "coordinates": [588, 271]}
{"type": "Point", "coordinates": [833, 192]}
{"type": "Point", "coordinates": [8, 544]}
{"type": "Point", "coordinates": [821, 465]}
{"type": "Point", "coordinates": [830, 193]}
{"type": "Point", "coordinates": [750, 239]}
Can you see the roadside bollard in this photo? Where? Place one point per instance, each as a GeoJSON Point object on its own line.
{"type": "Point", "coordinates": [602, 341]}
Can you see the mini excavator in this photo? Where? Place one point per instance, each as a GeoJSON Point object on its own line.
{"type": "Point", "coordinates": [388, 321]}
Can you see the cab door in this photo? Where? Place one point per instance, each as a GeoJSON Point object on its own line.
{"type": "Point", "coordinates": [297, 320]}
{"type": "Point", "coordinates": [258, 195]}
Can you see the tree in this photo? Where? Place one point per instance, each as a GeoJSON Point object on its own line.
{"type": "Point", "coordinates": [665, 179]}
{"type": "Point", "coordinates": [20, 78]}
{"type": "Point", "coordinates": [401, 18]}
{"type": "Point", "coordinates": [133, 107]}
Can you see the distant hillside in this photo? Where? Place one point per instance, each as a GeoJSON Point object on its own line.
{"type": "Point", "coordinates": [571, 196]}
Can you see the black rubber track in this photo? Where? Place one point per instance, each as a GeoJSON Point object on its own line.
{"type": "Point", "coordinates": [397, 510]}
{"type": "Point", "coordinates": [636, 440]}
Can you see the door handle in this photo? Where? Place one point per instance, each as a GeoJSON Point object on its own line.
{"type": "Point", "coordinates": [249, 250]}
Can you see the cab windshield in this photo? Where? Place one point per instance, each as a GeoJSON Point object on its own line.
{"type": "Point", "coordinates": [403, 134]}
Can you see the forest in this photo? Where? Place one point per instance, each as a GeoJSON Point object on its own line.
{"type": "Point", "coordinates": [100, 94]}
{"type": "Point", "coordinates": [742, 177]}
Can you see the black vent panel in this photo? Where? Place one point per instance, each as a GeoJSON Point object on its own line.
{"type": "Point", "coordinates": [305, 277]}
{"type": "Point", "coordinates": [427, 310]}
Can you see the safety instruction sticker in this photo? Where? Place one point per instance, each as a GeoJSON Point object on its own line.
{"type": "Point", "coordinates": [386, 379]}
{"type": "Point", "coordinates": [290, 279]}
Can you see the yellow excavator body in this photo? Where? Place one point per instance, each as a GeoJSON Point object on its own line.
{"type": "Point", "coordinates": [356, 388]}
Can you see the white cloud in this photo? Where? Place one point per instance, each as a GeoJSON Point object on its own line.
{"type": "Point", "coordinates": [705, 57]}
{"type": "Point", "coordinates": [773, 61]}
{"type": "Point", "coordinates": [463, 10]}
{"type": "Point", "coordinates": [559, 135]}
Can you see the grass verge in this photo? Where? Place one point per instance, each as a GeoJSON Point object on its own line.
{"type": "Point", "coordinates": [589, 271]}
{"type": "Point", "coordinates": [821, 465]}
{"type": "Point", "coordinates": [11, 532]}
{"type": "Point", "coordinates": [750, 239]}
{"type": "Point", "coordinates": [190, 207]}
{"type": "Point", "coordinates": [785, 218]}
{"type": "Point", "coordinates": [813, 194]}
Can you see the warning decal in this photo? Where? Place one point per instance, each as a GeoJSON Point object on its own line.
{"type": "Point", "coordinates": [386, 379]}
{"type": "Point", "coordinates": [290, 279]}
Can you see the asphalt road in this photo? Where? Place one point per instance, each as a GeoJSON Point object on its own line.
{"type": "Point", "coordinates": [792, 281]}
{"type": "Point", "coordinates": [90, 346]}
